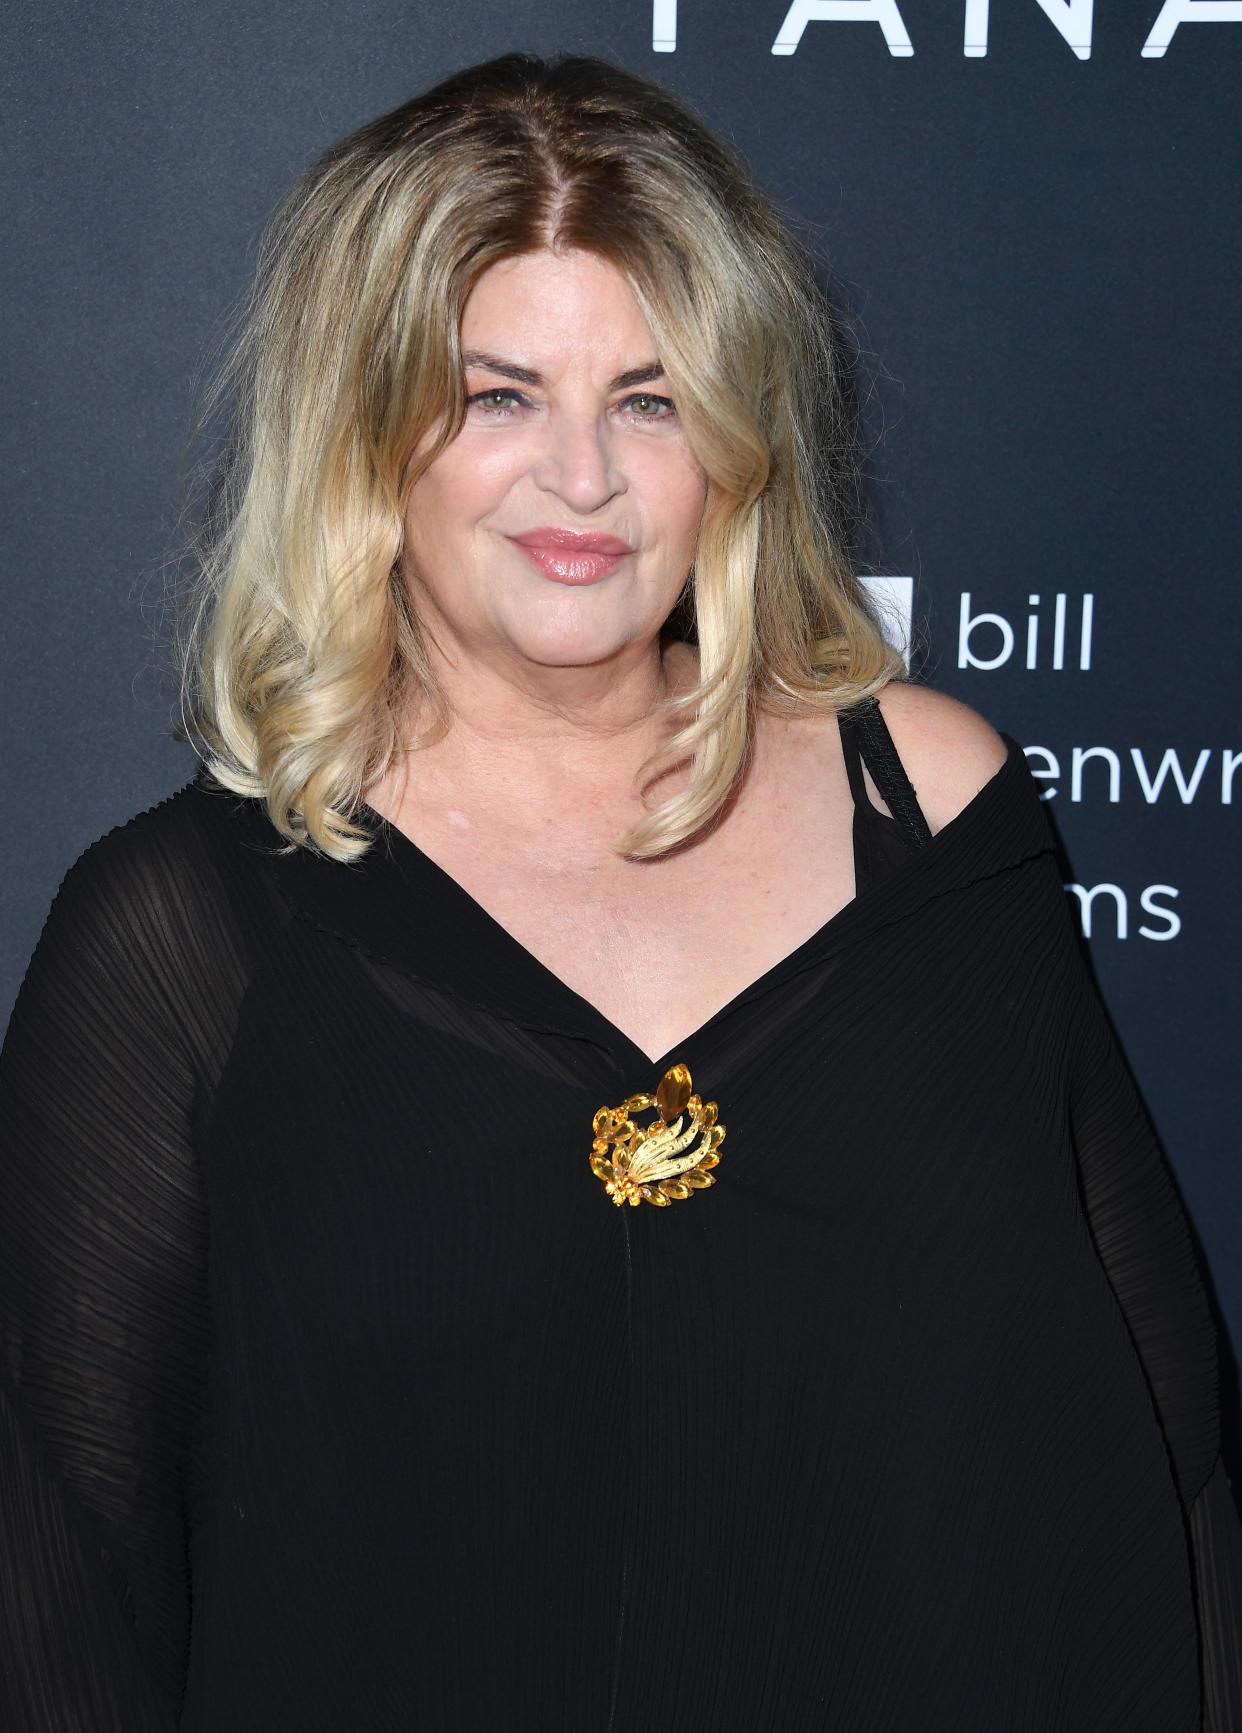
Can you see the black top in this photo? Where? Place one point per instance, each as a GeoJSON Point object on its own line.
{"type": "Point", "coordinates": [337, 1394]}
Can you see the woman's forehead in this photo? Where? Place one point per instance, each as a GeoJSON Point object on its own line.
{"type": "Point", "coordinates": [542, 311]}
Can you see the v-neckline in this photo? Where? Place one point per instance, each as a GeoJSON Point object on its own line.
{"type": "Point", "coordinates": [399, 845]}
{"type": "Point", "coordinates": [397, 839]}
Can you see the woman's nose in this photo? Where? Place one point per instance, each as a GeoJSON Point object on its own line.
{"type": "Point", "coordinates": [579, 464]}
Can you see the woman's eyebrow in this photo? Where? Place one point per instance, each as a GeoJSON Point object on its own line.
{"type": "Point", "coordinates": [506, 369]}
{"type": "Point", "coordinates": [644, 375]}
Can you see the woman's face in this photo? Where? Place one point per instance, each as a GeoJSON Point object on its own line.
{"type": "Point", "coordinates": [558, 527]}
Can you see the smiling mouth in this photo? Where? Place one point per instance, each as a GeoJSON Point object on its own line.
{"type": "Point", "coordinates": [571, 556]}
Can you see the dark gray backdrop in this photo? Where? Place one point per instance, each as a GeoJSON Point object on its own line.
{"type": "Point", "coordinates": [1038, 249]}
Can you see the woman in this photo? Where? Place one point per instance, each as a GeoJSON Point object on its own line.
{"type": "Point", "coordinates": [553, 853]}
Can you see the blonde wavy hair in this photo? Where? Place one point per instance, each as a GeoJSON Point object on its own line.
{"type": "Point", "coordinates": [304, 661]}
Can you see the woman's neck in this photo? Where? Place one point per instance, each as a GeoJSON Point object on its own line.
{"type": "Point", "coordinates": [546, 732]}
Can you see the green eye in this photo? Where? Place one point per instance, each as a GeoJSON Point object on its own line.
{"type": "Point", "coordinates": [646, 405]}
{"type": "Point", "coordinates": [495, 399]}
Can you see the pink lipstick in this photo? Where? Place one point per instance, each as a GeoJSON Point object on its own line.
{"type": "Point", "coordinates": [572, 556]}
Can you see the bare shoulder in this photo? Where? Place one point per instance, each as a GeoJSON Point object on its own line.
{"type": "Point", "coordinates": [948, 750]}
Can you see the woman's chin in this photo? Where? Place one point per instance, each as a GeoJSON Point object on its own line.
{"type": "Point", "coordinates": [549, 653]}
{"type": "Point", "coordinates": [566, 641]}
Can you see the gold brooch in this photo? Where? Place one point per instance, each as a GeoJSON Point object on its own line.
{"type": "Point", "coordinates": [660, 1161]}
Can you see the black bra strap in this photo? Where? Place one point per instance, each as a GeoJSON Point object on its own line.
{"type": "Point", "coordinates": [853, 762]}
{"type": "Point", "coordinates": [864, 730]}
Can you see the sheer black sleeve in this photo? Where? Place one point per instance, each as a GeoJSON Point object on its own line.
{"type": "Point", "coordinates": [102, 1285]}
{"type": "Point", "coordinates": [1146, 1248]}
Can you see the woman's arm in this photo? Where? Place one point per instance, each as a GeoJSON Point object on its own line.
{"type": "Point", "coordinates": [1144, 1243]}
{"type": "Point", "coordinates": [102, 1302]}
{"type": "Point", "coordinates": [1135, 1215]}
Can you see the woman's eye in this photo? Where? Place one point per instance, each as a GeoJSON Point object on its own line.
{"type": "Point", "coordinates": [496, 398]}
{"type": "Point", "coordinates": [648, 407]}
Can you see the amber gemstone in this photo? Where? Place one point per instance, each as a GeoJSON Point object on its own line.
{"type": "Point", "coordinates": [673, 1093]}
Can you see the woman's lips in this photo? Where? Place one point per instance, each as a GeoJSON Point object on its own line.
{"type": "Point", "coordinates": [570, 556]}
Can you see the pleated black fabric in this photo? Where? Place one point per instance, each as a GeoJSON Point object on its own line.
{"type": "Point", "coordinates": [337, 1395]}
